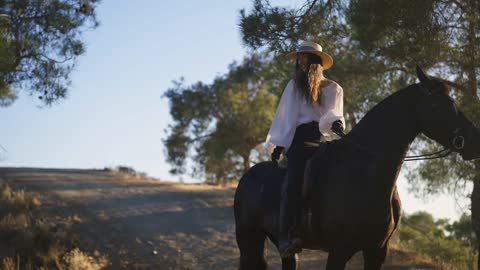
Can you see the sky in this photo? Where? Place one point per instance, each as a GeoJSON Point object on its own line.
{"type": "Point", "coordinates": [115, 113]}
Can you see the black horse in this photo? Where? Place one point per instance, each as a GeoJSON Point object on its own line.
{"type": "Point", "coordinates": [350, 184]}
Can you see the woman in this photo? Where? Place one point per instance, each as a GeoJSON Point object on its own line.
{"type": "Point", "coordinates": [311, 106]}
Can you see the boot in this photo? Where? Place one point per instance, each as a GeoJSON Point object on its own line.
{"type": "Point", "coordinates": [297, 223]}
{"type": "Point", "coordinates": [289, 242]}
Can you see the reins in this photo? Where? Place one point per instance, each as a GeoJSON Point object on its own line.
{"type": "Point", "coordinates": [458, 142]}
{"type": "Point", "coordinates": [439, 154]}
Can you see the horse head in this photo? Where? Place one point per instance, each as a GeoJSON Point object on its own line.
{"type": "Point", "coordinates": [441, 120]}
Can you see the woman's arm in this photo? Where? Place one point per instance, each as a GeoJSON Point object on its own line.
{"type": "Point", "coordinates": [285, 121]}
{"type": "Point", "coordinates": [332, 103]}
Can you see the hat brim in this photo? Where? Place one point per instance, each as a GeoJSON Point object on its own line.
{"type": "Point", "coordinates": [327, 60]}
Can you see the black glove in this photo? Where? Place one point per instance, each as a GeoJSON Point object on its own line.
{"type": "Point", "coordinates": [276, 154]}
{"type": "Point", "coordinates": [337, 128]}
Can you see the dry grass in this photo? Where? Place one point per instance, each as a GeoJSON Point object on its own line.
{"type": "Point", "coordinates": [128, 172]}
{"type": "Point", "coordinates": [8, 264]}
{"type": "Point", "coordinates": [18, 200]}
{"type": "Point", "coordinates": [36, 243]}
{"type": "Point", "coordinates": [78, 260]}
{"type": "Point", "coordinates": [15, 221]}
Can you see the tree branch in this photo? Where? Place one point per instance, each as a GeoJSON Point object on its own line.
{"type": "Point", "coordinates": [66, 59]}
{"type": "Point", "coordinates": [200, 138]}
{"type": "Point", "coordinates": [451, 84]}
{"type": "Point", "coordinates": [403, 69]}
{"type": "Point", "coordinates": [300, 17]}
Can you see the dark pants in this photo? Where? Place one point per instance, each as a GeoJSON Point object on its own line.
{"type": "Point", "coordinates": [298, 154]}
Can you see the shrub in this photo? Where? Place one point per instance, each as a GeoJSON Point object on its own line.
{"type": "Point", "coordinates": [421, 233]}
{"type": "Point", "coordinates": [77, 260]}
{"type": "Point", "coordinates": [38, 244]}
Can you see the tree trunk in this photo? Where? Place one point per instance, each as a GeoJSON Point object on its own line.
{"type": "Point", "coordinates": [475, 200]}
{"type": "Point", "coordinates": [246, 163]}
{"type": "Point", "coordinates": [472, 99]}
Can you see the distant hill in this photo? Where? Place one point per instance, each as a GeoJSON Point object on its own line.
{"type": "Point", "coordinates": [146, 224]}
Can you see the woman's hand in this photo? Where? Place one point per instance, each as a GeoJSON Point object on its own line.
{"type": "Point", "coordinates": [276, 154]}
{"type": "Point", "coordinates": [337, 128]}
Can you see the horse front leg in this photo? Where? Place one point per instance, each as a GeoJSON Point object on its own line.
{"type": "Point", "coordinates": [338, 259]}
{"type": "Point", "coordinates": [374, 257]}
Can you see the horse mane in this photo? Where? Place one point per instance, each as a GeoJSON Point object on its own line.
{"type": "Point", "coordinates": [404, 98]}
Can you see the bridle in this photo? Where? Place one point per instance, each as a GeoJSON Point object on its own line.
{"type": "Point", "coordinates": [458, 143]}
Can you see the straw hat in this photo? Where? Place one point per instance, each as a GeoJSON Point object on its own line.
{"type": "Point", "coordinates": [312, 47]}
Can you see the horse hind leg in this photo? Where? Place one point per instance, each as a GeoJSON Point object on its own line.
{"type": "Point", "coordinates": [374, 258]}
{"type": "Point", "coordinates": [290, 263]}
{"type": "Point", "coordinates": [252, 248]}
{"type": "Point", "coordinates": [337, 260]}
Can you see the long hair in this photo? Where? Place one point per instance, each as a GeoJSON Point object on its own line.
{"type": "Point", "coordinates": [308, 83]}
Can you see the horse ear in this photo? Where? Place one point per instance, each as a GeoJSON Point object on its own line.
{"type": "Point", "coordinates": [424, 79]}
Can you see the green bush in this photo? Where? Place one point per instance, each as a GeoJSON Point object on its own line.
{"type": "Point", "coordinates": [438, 239]}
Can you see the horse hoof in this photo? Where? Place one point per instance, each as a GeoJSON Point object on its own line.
{"type": "Point", "coordinates": [295, 246]}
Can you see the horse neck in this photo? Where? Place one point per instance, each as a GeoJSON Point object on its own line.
{"type": "Point", "coordinates": [386, 132]}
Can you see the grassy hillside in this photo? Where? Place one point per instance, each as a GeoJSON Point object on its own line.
{"type": "Point", "coordinates": [141, 223]}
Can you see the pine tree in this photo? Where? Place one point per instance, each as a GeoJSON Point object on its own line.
{"type": "Point", "coordinates": [39, 43]}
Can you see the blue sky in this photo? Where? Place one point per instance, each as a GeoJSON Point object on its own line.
{"type": "Point", "coordinates": [114, 114]}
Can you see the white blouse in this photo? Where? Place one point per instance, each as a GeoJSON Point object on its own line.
{"type": "Point", "coordinates": [293, 110]}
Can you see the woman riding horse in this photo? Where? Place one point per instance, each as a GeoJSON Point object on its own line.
{"type": "Point", "coordinates": [310, 107]}
{"type": "Point", "coordinates": [352, 200]}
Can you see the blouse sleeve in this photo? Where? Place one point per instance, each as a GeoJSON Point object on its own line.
{"type": "Point", "coordinates": [332, 103]}
{"type": "Point", "coordinates": [285, 121]}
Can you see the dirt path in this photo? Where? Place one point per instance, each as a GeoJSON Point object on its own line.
{"type": "Point", "coordinates": [145, 224]}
